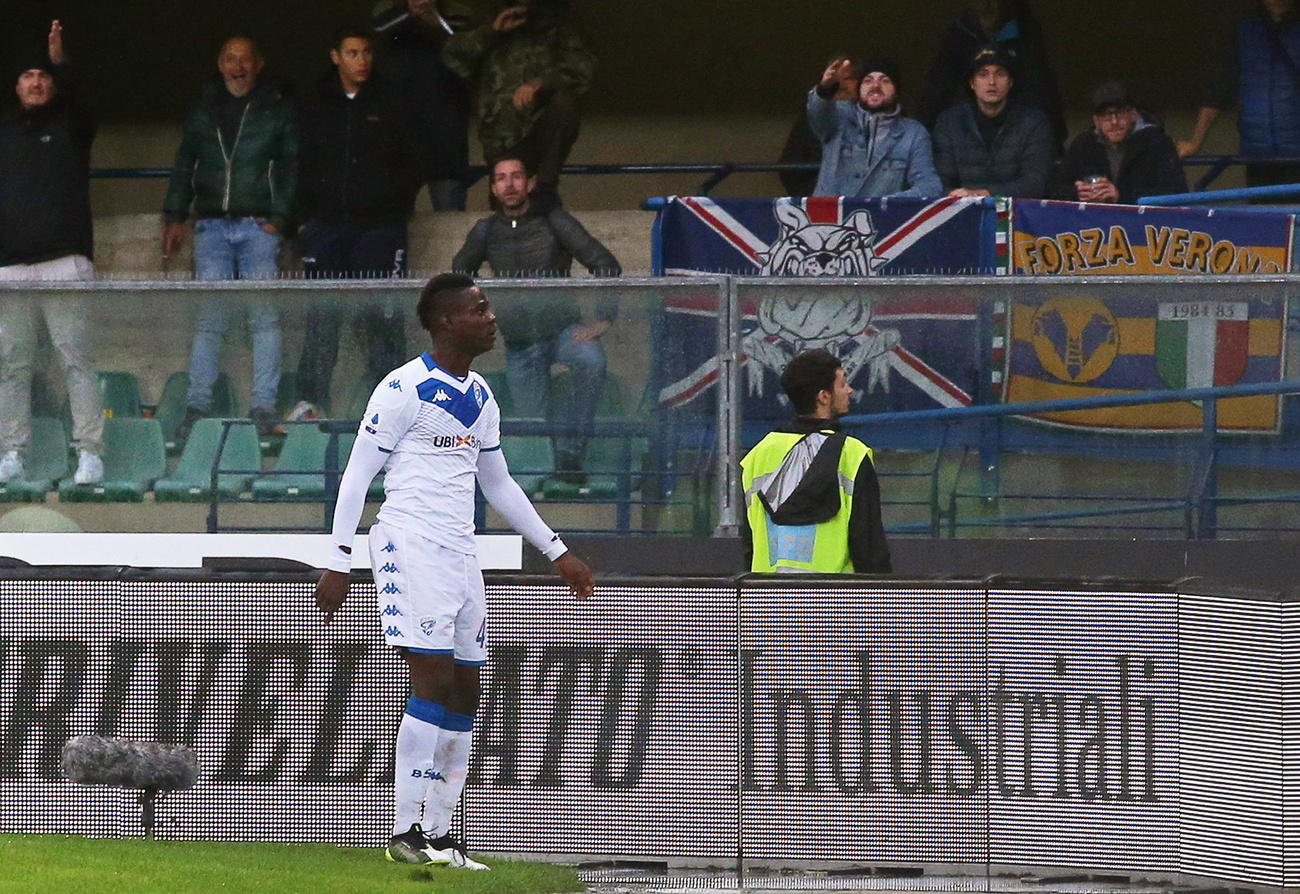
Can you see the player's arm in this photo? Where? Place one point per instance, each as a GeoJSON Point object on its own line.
{"type": "Point", "coordinates": [509, 499]}
{"type": "Point", "coordinates": [364, 464]}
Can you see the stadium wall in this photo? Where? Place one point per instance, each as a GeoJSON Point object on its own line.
{"type": "Point", "coordinates": [1125, 727]}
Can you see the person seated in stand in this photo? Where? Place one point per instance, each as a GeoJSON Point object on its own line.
{"type": "Point", "coordinates": [527, 237]}
{"type": "Point", "coordinates": [869, 150]}
{"type": "Point", "coordinates": [992, 145]}
{"type": "Point", "coordinates": [1125, 156]}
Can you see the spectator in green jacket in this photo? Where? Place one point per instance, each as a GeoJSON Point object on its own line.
{"type": "Point", "coordinates": [237, 170]}
{"type": "Point", "coordinates": [528, 66]}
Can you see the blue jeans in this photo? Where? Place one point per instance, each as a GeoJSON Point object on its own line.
{"type": "Point", "coordinates": [235, 249]}
{"type": "Point", "coordinates": [528, 373]}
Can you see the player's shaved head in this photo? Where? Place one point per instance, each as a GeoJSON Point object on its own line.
{"type": "Point", "coordinates": [438, 295]}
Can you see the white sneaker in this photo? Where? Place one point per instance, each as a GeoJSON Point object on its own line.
{"type": "Point", "coordinates": [11, 467]}
{"type": "Point", "coordinates": [90, 468]}
{"type": "Point", "coordinates": [303, 411]}
{"type": "Point", "coordinates": [447, 851]}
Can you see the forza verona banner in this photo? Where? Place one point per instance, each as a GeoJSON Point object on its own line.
{"type": "Point", "coordinates": [1124, 240]}
{"type": "Point", "coordinates": [1091, 344]}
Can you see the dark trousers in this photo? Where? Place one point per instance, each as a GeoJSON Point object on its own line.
{"type": "Point", "coordinates": [546, 148]}
{"type": "Point", "coordinates": [350, 251]}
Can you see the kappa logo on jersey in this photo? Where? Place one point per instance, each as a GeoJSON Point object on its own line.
{"type": "Point", "coordinates": [389, 568]}
{"type": "Point", "coordinates": [395, 383]}
{"type": "Point", "coordinates": [394, 632]}
{"type": "Point", "coordinates": [390, 548]}
{"type": "Point", "coordinates": [391, 610]}
{"type": "Point", "coordinates": [390, 588]}
{"type": "Point", "coordinates": [429, 626]}
{"type": "Point", "coordinates": [455, 441]}
{"type": "Point", "coordinates": [441, 396]}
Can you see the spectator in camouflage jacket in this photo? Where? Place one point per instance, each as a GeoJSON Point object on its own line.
{"type": "Point", "coordinates": [528, 66]}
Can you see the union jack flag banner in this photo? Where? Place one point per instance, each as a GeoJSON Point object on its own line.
{"type": "Point", "coordinates": [902, 349]}
{"type": "Point", "coordinates": [828, 236]}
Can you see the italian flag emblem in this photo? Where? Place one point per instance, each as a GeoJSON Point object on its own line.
{"type": "Point", "coordinates": [1200, 344]}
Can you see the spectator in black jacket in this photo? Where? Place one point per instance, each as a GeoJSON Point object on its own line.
{"type": "Point", "coordinates": [991, 145]}
{"type": "Point", "coordinates": [526, 237]}
{"type": "Point", "coordinates": [45, 234]}
{"type": "Point", "coordinates": [435, 102]}
{"type": "Point", "coordinates": [1006, 25]}
{"type": "Point", "coordinates": [1125, 155]}
{"type": "Point", "coordinates": [357, 182]}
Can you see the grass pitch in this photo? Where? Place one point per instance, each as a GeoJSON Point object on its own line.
{"type": "Point", "coordinates": [63, 864]}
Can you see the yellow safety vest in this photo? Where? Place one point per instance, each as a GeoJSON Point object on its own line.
{"type": "Point", "coordinates": [822, 547]}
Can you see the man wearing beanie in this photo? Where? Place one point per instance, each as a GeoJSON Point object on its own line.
{"type": "Point", "coordinates": [991, 145]}
{"type": "Point", "coordinates": [869, 150]}
{"type": "Point", "coordinates": [45, 234]}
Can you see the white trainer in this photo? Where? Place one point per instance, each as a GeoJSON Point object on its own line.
{"type": "Point", "coordinates": [11, 467]}
{"type": "Point", "coordinates": [303, 411]}
{"type": "Point", "coordinates": [447, 851]}
{"type": "Point", "coordinates": [90, 468]}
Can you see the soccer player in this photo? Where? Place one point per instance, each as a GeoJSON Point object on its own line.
{"type": "Point", "coordinates": [435, 426]}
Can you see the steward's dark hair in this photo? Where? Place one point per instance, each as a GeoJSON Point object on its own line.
{"type": "Point", "coordinates": [435, 295]}
{"type": "Point", "coordinates": [807, 375]}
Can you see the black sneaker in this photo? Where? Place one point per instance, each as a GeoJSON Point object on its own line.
{"type": "Point", "coordinates": [447, 851]}
{"type": "Point", "coordinates": [410, 847]}
{"type": "Point", "coordinates": [192, 415]}
{"type": "Point", "coordinates": [267, 421]}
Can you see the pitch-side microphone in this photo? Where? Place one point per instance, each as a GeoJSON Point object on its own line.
{"type": "Point", "coordinates": [130, 763]}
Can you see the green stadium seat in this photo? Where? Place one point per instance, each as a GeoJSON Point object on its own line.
{"type": "Point", "coordinates": [304, 452]}
{"type": "Point", "coordinates": [47, 462]}
{"type": "Point", "coordinates": [44, 401]}
{"type": "Point", "coordinates": [134, 457]}
{"type": "Point", "coordinates": [120, 393]}
{"type": "Point", "coordinates": [603, 460]}
{"type": "Point", "coordinates": [501, 391]}
{"type": "Point", "coordinates": [192, 480]}
{"type": "Point", "coordinates": [531, 458]}
{"type": "Point", "coordinates": [171, 406]}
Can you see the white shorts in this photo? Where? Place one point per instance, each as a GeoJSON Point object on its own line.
{"type": "Point", "coordinates": [431, 599]}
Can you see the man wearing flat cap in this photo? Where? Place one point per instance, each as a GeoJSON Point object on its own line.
{"type": "Point", "coordinates": [45, 234]}
{"type": "Point", "coordinates": [1125, 156]}
{"type": "Point", "coordinates": [869, 150]}
{"type": "Point", "coordinates": [992, 145]}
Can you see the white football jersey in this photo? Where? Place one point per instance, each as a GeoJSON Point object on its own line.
{"type": "Point", "coordinates": [433, 424]}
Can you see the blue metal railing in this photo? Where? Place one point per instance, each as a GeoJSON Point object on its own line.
{"type": "Point", "coordinates": [1199, 505]}
{"type": "Point", "coordinates": [719, 171]}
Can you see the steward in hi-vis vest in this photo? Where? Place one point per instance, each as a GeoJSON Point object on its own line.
{"type": "Point", "coordinates": [812, 500]}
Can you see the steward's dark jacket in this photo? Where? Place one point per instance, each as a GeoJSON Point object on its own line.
{"type": "Point", "coordinates": [357, 164]}
{"type": "Point", "coordinates": [1151, 166]}
{"type": "Point", "coordinates": [1015, 164]}
{"type": "Point", "coordinates": [255, 176]}
{"type": "Point", "coordinates": [868, 547]}
{"type": "Point", "coordinates": [44, 179]}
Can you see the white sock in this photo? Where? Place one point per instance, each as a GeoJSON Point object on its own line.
{"type": "Point", "coordinates": [413, 768]}
{"type": "Point", "coordinates": [451, 764]}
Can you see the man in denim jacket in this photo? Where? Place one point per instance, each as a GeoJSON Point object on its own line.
{"type": "Point", "coordinates": [869, 150]}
